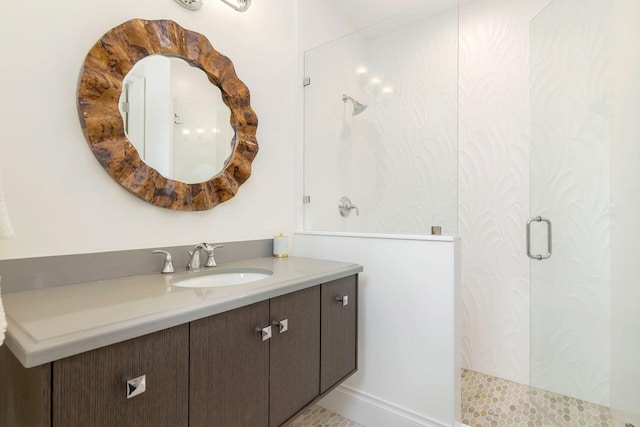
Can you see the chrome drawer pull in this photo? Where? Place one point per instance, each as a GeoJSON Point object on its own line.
{"type": "Point", "coordinates": [264, 332]}
{"type": "Point", "coordinates": [282, 324]}
{"type": "Point", "coordinates": [136, 386]}
{"type": "Point", "coordinates": [344, 300]}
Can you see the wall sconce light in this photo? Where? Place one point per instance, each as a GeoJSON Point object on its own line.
{"type": "Point", "coordinates": [239, 5]}
{"type": "Point", "coordinates": [190, 4]}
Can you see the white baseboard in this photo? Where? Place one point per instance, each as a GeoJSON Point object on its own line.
{"type": "Point", "coordinates": [370, 411]}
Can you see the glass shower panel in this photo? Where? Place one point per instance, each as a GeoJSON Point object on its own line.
{"type": "Point", "coordinates": [381, 126]}
{"type": "Point", "coordinates": [570, 186]}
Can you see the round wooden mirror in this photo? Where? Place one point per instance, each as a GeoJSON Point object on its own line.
{"type": "Point", "coordinates": [99, 90]}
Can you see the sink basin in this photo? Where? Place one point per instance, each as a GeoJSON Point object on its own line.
{"type": "Point", "coordinates": [227, 277]}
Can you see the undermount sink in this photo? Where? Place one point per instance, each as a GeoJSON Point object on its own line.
{"type": "Point", "coordinates": [227, 277]}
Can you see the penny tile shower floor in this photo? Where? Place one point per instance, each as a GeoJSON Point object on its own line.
{"type": "Point", "coordinates": [317, 416]}
{"type": "Point", "coordinates": [494, 402]}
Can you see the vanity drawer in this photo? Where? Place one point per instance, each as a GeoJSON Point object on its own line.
{"type": "Point", "coordinates": [90, 389]}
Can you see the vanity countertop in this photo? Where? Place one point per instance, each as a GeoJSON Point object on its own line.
{"type": "Point", "coordinates": [52, 323]}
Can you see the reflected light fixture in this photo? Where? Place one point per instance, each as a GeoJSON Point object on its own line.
{"type": "Point", "coordinates": [239, 5]}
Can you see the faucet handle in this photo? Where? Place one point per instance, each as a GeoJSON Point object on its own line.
{"type": "Point", "coordinates": [168, 262]}
{"type": "Point", "coordinates": [345, 207]}
{"type": "Point", "coordinates": [209, 249]}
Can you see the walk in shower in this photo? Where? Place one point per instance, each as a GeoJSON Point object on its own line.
{"type": "Point", "coordinates": [513, 124]}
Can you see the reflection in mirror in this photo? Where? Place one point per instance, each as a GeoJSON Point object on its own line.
{"type": "Point", "coordinates": [176, 119]}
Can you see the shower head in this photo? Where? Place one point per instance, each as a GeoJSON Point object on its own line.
{"type": "Point", "coordinates": [357, 107]}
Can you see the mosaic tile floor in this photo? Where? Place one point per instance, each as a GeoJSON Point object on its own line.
{"type": "Point", "coordinates": [317, 416]}
{"type": "Point", "coordinates": [494, 402]}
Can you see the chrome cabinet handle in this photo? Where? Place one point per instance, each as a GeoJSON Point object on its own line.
{"type": "Point", "coordinates": [549, 242]}
{"type": "Point", "coordinates": [264, 332]}
{"type": "Point", "coordinates": [136, 386]}
{"type": "Point", "coordinates": [282, 324]}
{"type": "Point", "coordinates": [344, 300]}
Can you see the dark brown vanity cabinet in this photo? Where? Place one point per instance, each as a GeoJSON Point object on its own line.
{"type": "Point", "coordinates": [220, 371]}
{"type": "Point", "coordinates": [242, 377]}
{"type": "Point", "coordinates": [339, 338]}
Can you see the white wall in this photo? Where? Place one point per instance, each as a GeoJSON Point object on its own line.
{"type": "Point", "coordinates": [60, 199]}
{"type": "Point", "coordinates": [408, 369]}
{"type": "Point", "coordinates": [625, 205]}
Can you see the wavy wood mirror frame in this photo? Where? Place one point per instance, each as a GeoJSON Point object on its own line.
{"type": "Point", "coordinates": [99, 89]}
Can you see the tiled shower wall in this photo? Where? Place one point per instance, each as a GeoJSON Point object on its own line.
{"type": "Point", "coordinates": [571, 78]}
{"type": "Point", "coordinates": [494, 185]}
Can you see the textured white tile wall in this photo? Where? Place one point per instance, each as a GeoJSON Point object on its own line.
{"type": "Point", "coordinates": [570, 183]}
{"type": "Point", "coordinates": [494, 185]}
{"type": "Point", "coordinates": [534, 140]}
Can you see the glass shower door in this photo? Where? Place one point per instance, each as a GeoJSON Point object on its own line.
{"type": "Point", "coordinates": [569, 243]}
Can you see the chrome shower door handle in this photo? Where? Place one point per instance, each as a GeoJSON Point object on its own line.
{"type": "Point", "coordinates": [539, 257]}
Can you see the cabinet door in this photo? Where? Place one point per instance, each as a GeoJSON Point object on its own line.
{"type": "Point", "coordinates": [90, 389]}
{"type": "Point", "coordinates": [230, 369]}
{"type": "Point", "coordinates": [295, 354]}
{"type": "Point", "coordinates": [25, 394]}
{"type": "Point", "coordinates": [339, 331]}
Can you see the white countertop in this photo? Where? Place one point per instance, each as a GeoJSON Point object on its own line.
{"type": "Point", "coordinates": [48, 324]}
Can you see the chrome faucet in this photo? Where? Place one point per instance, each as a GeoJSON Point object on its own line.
{"type": "Point", "coordinates": [168, 263]}
{"type": "Point", "coordinates": [209, 249]}
{"type": "Point", "coordinates": [194, 261]}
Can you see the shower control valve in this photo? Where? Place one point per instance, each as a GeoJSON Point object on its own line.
{"type": "Point", "coordinates": [345, 206]}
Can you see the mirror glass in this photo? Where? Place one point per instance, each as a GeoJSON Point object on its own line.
{"type": "Point", "coordinates": [176, 119]}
